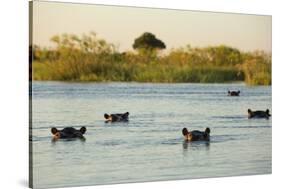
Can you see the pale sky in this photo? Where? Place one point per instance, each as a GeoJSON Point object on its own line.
{"type": "Point", "coordinates": [176, 28]}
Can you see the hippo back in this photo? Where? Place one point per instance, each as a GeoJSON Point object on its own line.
{"type": "Point", "coordinates": [258, 114]}
{"type": "Point", "coordinates": [70, 132]}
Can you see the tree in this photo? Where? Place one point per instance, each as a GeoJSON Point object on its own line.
{"type": "Point", "coordinates": [147, 45]}
{"type": "Point", "coordinates": [148, 41]}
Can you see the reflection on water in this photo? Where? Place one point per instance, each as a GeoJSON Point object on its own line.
{"type": "Point", "coordinates": [199, 145]}
{"type": "Point", "coordinates": [68, 140]}
{"type": "Point", "coordinates": [150, 146]}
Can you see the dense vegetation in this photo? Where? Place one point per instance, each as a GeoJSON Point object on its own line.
{"type": "Point", "coordinates": [88, 58]}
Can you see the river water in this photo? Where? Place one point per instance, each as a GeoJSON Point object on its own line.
{"type": "Point", "coordinates": [150, 147]}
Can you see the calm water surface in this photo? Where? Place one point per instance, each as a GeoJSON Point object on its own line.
{"type": "Point", "coordinates": [150, 146]}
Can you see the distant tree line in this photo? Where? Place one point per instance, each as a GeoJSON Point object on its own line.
{"type": "Point", "coordinates": [89, 58]}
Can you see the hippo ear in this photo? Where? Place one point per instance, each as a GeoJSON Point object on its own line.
{"type": "Point", "coordinates": [127, 113]}
{"type": "Point", "coordinates": [208, 130]}
{"type": "Point", "coordinates": [54, 130]}
{"type": "Point", "coordinates": [249, 111]}
{"type": "Point", "coordinates": [83, 130]}
{"type": "Point", "coordinates": [106, 116]}
{"type": "Point", "coordinates": [267, 111]}
{"type": "Point", "coordinates": [184, 131]}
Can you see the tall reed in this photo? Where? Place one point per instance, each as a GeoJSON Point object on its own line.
{"type": "Point", "coordinates": [89, 58]}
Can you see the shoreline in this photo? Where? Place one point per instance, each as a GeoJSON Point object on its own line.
{"type": "Point", "coordinates": [140, 82]}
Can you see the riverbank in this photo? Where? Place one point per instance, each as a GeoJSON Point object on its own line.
{"type": "Point", "coordinates": [78, 61]}
{"type": "Point", "coordinates": [152, 72]}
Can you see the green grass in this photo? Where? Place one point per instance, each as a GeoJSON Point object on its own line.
{"type": "Point", "coordinates": [251, 73]}
{"type": "Point", "coordinates": [140, 72]}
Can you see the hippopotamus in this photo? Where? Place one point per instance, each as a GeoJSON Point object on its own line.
{"type": "Point", "coordinates": [116, 117]}
{"type": "Point", "coordinates": [233, 93]}
{"type": "Point", "coordinates": [196, 135]}
{"type": "Point", "coordinates": [68, 133]}
{"type": "Point", "coordinates": [258, 114]}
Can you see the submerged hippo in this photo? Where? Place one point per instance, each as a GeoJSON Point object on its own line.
{"type": "Point", "coordinates": [233, 93]}
{"type": "Point", "coordinates": [196, 135]}
{"type": "Point", "coordinates": [68, 133]}
{"type": "Point", "coordinates": [117, 117]}
{"type": "Point", "coordinates": [258, 114]}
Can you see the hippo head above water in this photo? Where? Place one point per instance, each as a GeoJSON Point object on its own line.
{"type": "Point", "coordinates": [233, 93]}
{"type": "Point", "coordinates": [196, 135]}
{"type": "Point", "coordinates": [116, 117]}
{"type": "Point", "coordinates": [68, 133]}
{"type": "Point", "coordinates": [258, 114]}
